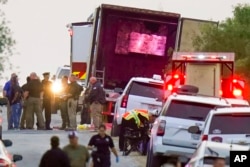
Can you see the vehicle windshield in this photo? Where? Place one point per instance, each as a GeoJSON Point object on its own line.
{"type": "Point", "coordinates": [230, 124]}
{"type": "Point", "coordinates": [63, 72]}
{"type": "Point", "coordinates": [188, 110]}
{"type": "Point", "coordinates": [147, 90]}
{"type": "Point", "coordinates": [210, 160]}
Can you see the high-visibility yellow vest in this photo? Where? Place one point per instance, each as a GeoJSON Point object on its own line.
{"type": "Point", "coordinates": [134, 114]}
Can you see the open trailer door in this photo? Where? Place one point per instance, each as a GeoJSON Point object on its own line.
{"type": "Point", "coordinates": [81, 35]}
{"type": "Point", "coordinates": [189, 29]}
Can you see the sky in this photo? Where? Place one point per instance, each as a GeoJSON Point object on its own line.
{"type": "Point", "coordinates": [43, 41]}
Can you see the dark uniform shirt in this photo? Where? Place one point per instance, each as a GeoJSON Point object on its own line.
{"type": "Point", "coordinates": [75, 90]}
{"type": "Point", "coordinates": [24, 87]}
{"type": "Point", "coordinates": [97, 94]}
{"type": "Point", "coordinates": [34, 87]}
{"type": "Point", "coordinates": [47, 85]}
{"type": "Point", "coordinates": [102, 144]}
{"type": "Point", "coordinates": [55, 158]}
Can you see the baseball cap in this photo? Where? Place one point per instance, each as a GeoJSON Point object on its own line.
{"type": "Point", "coordinates": [73, 134]}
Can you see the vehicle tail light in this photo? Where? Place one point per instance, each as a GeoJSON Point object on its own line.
{"type": "Point", "coordinates": [124, 101]}
{"type": "Point", "coordinates": [217, 139]}
{"type": "Point", "coordinates": [4, 163]}
{"type": "Point", "coordinates": [204, 138]}
{"type": "Point", "coordinates": [161, 128]}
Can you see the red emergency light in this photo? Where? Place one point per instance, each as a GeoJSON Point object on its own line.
{"type": "Point", "coordinates": [176, 76]}
{"type": "Point", "coordinates": [235, 80]}
{"type": "Point", "coordinates": [237, 92]}
{"type": "Point", "coordinates": [170, 87]}
{"type": "Point", "coordinates": [232, 88]}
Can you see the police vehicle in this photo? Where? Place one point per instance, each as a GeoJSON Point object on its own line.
{"type": "Point", "coordinates": [169, 135]}
{"type": "Point", "coordinates": [140, 93]}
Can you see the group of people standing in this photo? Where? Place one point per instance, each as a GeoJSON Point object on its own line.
{"type": "Point", "coordinates": [36, 96]}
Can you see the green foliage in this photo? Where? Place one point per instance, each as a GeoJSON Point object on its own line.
{"type": "Point", "coordinates": [231, 35]}
{"type": "Point", "coordinates": [6, 41]}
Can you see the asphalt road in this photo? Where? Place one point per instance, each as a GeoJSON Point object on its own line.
{"type": "Point", "coordinates": [31, 144]}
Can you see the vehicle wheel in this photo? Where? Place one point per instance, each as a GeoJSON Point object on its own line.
{"type": "Point", "coordinates": [152, 160]}
{"type": "Point", "coordinates": [115, 130]}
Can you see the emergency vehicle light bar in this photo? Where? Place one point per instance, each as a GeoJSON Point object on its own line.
{"type": "Point", "coordinates": [202, 57]}
{"type": "Point", "coordinates": [205, 56]}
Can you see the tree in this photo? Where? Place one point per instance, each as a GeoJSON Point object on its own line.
{"type": "Point", "coordinates": [232, 35]}
{"type": "Point", "coordinates": [6, 41]}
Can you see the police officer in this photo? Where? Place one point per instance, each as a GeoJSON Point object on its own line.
{"type": "Point", "coordinates": [138, 120]}
{"type": "Point", "coordinates": [25, 104]}
{"type": "Point", "coordinates": [97, 100]}
{"type": "Point", "coordinates": [73, 95]}
{"type": "Point", "coordinates": [47, 98]}
{"type": "Point", "coordinates": [64, 103]}
{"type": "Point", "coordinates": [100, 144]}
{"type": "Point", "coordinates": [34, 91]}
{"type": "Point", "coordinates": [85, 114]}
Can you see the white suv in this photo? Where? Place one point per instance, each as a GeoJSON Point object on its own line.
{"type": "Point", "coordinates": [140, 93]}
{"type": "Point", "coordinates": [170, 136]}
{"type": "Point", "coordinates": [226, 125]}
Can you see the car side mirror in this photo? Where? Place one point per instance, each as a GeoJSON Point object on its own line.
{"type": "Point", "coordinates": [7, 142]}
{"type": "Point", "coordinates": [194, 130]}
{"type": "Point", "coordinates": [17, 157]}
